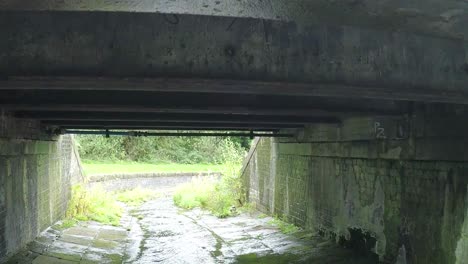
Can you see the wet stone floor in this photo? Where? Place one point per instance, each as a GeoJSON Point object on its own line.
{"type": "Point", "coordinates": [159, 232]}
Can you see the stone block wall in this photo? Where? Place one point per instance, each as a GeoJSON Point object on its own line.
{"type": "Point", "coordinates": [402, 180]}
{"type": "Point", "coordinates": [35, 184]}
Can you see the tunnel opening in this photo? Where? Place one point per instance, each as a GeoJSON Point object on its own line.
{"type": "Point", "coordinates": [138, 209]}
{"type": "Point", "coordinates": [360, 242]}
{"type": "Point", "coordinates": [368, 101]}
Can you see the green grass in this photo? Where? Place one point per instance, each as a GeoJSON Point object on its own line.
{"type": "Point", "coordinates": [95, 204]}
{"type": "Point", "coordinates": [262, 215]}
{"type": "Point", "coordinates": [285, 227]}
{"type": "Point", "coordinates": [207, 194]}
{"type": "Point", "coordinates": [217, 196]}
{"type": "Point", "coordinates": [94, 167]}
{"type": "Point", "coordinates": [66, 223]}
{"type": "Point", "coordinates": [136, 196]}
{"type": "Point", "coordinates": [101, 206]}
{"type": "Point", "coordinates": [196, 193]}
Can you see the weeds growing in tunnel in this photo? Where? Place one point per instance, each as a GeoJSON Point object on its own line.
{"type": "Point", "coordinates": [66, 223]}
{"type": "Point", "coordinates": [284, 226]}
{"type": "Point", "coordinates": [94, 204]}
{"type": "Point", "coordinates": [98, 205]}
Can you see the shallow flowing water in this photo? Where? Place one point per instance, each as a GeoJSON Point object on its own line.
{"type": "Point", "coordinates": [159, 232]}
{"type": "Point", "coordinates": [163, 233]}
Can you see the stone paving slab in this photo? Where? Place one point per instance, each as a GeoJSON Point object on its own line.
{"type": "Point", "coordinates": [86, 243]}
{"type": "Point", "coordinates": [79, 240]}
{"type": "Point", "coordinates": [112, 234]}
{"type": "Point", "coordinates": [82, 231]}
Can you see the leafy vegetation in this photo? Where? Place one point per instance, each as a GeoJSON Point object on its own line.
{"type": "Point", "coordinates": [284, 226]}
{"type": "Point", "coordinates": [105, 167]}
{"type": "Point", "coordinates": [95, 204]}
{"type": "Point", "coordinates": [217, 196]}
{"type": "Point", "coordinates": [101, 206]}
{"type": "Point", "coordinates": [149, 154]}
{"type": "Point", "coordinates": [180, 150]}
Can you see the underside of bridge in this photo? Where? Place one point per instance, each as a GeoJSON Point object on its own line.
{"type": "Point", "coordinates": [395, 71]}
{"type": "Point", "coordinates": [242, 65]}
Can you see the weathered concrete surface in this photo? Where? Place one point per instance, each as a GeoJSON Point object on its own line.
{"type": "Point", "coordinates": [103, 44]}
{"type": "Point", "coordinates": [405, 185]}
{"type": "Point", "coordinates": [35, 180]}
{"type": "Point", "coordinates": [391, 50]}
{"type": "Point", "coordinates": [19, 128]}
{"type": "Point", "coordinates": [258, 51]}
{"type": "Point", "coordinates": [429, 17]}
{"type": "Point", "coordinates": [158, 232]}
{"type": "Point", "coordinates": [174, 236]}
{"type": "Point", "coordinates": [129, 176]}
{"type": "Point", "coordinates": [85, 243]}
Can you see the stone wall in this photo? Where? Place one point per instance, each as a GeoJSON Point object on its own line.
{"type": "Point", "coordinates": [35, 183]}
{"type": "Point", "coordinates": [402, 180]}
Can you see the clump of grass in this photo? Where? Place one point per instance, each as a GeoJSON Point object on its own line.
{"type": "Point", "coordinates": [95, 204]}
{"type": "Point", "coordinates": [136, 196]}
{"type": "Point", "coordinates": [196, 193]}
{"type": "Point", "coordinates": [286, 228]}
{"type": "Point", "coordinates": [262, 215]}
{"type": "Point", "coordinates": [66, 223]}
{"type": "Point", "coordinates": [248, 208]}
{"type": "Point", "coordinates": [219, 197]}
{"type": "Point", "coordinates": [206, 193]}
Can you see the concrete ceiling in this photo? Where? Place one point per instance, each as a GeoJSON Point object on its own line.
{"type": "Point", "coordinates": [446, 18]}
{"type": "Point", "coordinates": [228, 64]}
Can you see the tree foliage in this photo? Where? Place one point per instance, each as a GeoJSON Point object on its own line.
{"type": "Point", "coordinates": [184, 150]}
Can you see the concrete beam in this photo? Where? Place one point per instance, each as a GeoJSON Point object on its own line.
{"type": "Point", "coordinates": [174, 125]}
{"type": "Point", "coordinates": [148, 45]}
{"type": "Point", "coordinates": [224, 86]}
{"type": "Point", "coordinates": [188, 117]}
{"type": "Point", "coordinates": [84, 108]}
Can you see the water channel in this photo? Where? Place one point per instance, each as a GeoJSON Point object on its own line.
{"type": "Point", "coordinates": [159, 232]}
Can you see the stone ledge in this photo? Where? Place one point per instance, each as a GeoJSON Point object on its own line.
{"type": "Point", "coordinates": [418, 149]}
{"type": "Point", "coordinates": [120, 176]}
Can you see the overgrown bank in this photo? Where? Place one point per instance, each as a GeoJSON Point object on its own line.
{"type": "Point", "coordinates": [92, 167]}
{"type": "Point", "coordinates": [156, 150]}
{"type": "Point", "coordinates": [222, 197]}
{"type": "Point", "coordinates": [99, 205]}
